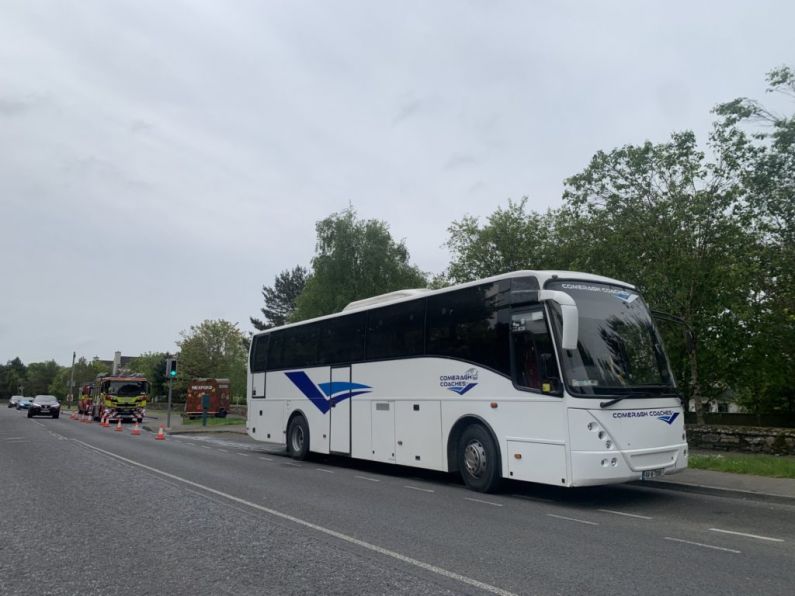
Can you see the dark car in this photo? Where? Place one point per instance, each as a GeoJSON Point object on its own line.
{"type": "Point", "coordinates": [24, 403]}
{"type": "Point", "coordinates": [13, 400]}
{"type": "Point", "coordinates": [44, 405]}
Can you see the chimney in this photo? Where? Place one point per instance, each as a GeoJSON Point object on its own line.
{"type": "Point", "coordinates": [116, 362]}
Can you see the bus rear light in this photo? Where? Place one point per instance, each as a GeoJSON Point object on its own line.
{"type": "Point", "coordinates": [601, 434]}
{"type": "Point", "coordinates": [591, 426]}
{"type": "Point", "coordinates": [604, 463]}
{"type": "Point", "coordinates": [493, 405]}
{"type": "Point", "coordinates": [517, 455]}
{"type": "Point", "coordinates": [614, 462]}
{"type": "Point", "coordinates": [608, 444]}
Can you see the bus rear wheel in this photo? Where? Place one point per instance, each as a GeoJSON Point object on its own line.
{"type": "Point", "coordinates": [298, 438]}
{"type": "Point", "coordinates": [479, 460]}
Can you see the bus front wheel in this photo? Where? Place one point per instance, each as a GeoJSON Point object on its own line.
{"type": "Point", "coordinates": [479, 459]}
{"type": "Point", "coordinates": [298, 438]}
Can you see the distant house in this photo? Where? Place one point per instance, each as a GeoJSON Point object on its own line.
{"type": "Point", "coordinates": [725, 403]}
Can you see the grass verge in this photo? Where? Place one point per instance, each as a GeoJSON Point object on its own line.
{"type": "Point", "coordinates": [775, 466]}
{"type": "Point", "coordinates": [212, 421]}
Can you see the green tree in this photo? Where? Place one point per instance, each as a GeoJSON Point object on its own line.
{"type": "Point", "coordinates": [280, 298]}
{"type": "Point", "coordinates": [215, 349]}
{"type": "Point", "coordinates": [12, 375]}
{"type": "Point", "coordinates": [660, 216]}
{"type": "Point", "coordinates": [40, 376]}
{"type": "Point", "coordinates": [760, 146]}
{"type": "Point", "coordinates": [153, 366]}
{"type": "Point", "coordinates": [354, 259]}
{"type": "Point", "coordinates": [511, 239]}
{"type": "Point", "coordinates": [85, 372]}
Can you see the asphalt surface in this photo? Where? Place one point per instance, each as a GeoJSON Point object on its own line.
{"type": "Point", "coordinates": [92, 511]}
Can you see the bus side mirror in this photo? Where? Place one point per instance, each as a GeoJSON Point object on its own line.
{"type": "Point", "coordinates": [568, 310]}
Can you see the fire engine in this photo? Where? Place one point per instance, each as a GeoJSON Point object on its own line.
{"type": "Point", "coordinates": [119, 397]}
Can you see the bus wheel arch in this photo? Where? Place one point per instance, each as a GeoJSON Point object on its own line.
{"type": "Point", "coordinates": [297, 436]}
{"type": "Point", "coordinates": [482, 447]}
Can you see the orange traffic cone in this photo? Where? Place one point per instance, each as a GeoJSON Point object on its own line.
{"type": "Point", "coordinates": [105, 423]}
{"type": "Point", "coordinates": [136, 431]}
{"type": "Point", "coordinates": [118, 426]}
{"type": "Point", "coordinates": [161, 435]}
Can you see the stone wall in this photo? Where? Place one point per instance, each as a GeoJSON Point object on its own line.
{"type": "Point", "coordinates": [778, 441]}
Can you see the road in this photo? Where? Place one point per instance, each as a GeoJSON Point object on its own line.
{"type": "Point", "coordinates": [92, 511]}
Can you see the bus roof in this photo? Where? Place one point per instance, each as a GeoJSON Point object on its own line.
{"type": "Point", "coordinates": [397, 296]}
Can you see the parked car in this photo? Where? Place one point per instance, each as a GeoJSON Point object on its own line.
{"type": "Point", "coordinates": [13, 400]}
{"type": "Point", "coordinates": [24, 403]}
{"type": "Point", "coordinates": [44, 405]}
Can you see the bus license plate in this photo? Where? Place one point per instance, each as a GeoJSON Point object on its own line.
{"type": "Point", "coordinates": [649, 474]}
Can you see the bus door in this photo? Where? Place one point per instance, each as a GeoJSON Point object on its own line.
{"type": "Point", "coordinates": [340, 411]}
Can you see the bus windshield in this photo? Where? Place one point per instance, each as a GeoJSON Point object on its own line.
{"type": "Point", "coordinates": [619, 350]}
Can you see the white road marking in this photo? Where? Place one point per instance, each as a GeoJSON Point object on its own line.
{"type": "Point", "coordinates": [307, 524]}
{"type": "Point", "coordinates": [265, 458]}
{"type": "Point", "coordinates": [424, 490]}
{"type": "Point", "coordinates": [484, 502]}
{"type": "Point", "coordinates": [366, 478]}
{"type": "Point", "coordinates": [243, 454]}
{"type": "Point", "coordinates": [746, 535]}
{"type": "Point", "coordinates": [574, 519]}
{"type": "Point", "coordinates": [728, 550]}
{"type": "Point", "coordinates": [288, 463]}
{"type": "Point", "coordinates": [626, 514]}
{"type": "Point", "coordinates": [221, 450]}
{"type": "Point", "coordinates": [324, 470]}
{"type": "Point", "coordinates": [206, 446]}
{"type": "Point", "coordinates": [12, 438]}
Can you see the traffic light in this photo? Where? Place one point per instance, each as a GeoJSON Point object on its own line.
{"type": "Point", "coordinates": [171, 368]}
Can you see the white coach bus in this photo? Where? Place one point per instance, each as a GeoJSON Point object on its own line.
{"type": "Point", "coordinates": [545, 376]}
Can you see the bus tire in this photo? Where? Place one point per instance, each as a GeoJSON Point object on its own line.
{"type": "Point", "coordinates": [479, 459]}
{"type": "Point", "coordinates": [298, 438]}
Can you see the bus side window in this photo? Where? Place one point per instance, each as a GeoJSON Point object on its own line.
{"type": "Point", "coordinates": [534, 365]}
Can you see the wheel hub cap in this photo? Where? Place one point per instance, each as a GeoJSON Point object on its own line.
{"type": "Point", "coordinates": [475, 458]}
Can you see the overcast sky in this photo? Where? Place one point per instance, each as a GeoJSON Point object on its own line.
{"type": "Point", "coordinates": [161, 160]}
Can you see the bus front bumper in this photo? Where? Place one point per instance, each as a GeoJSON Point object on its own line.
{"type": "Point", "coordinates": [591, 468]}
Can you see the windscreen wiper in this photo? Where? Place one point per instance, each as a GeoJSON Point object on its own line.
{"type": "Point", "coordinates": [607, 404]}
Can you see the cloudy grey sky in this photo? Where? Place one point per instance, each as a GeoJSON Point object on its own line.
{"type": "Point", "coordinates": [161, 160]}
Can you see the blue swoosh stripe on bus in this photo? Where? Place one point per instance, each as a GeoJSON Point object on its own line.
{"type": "Point", "coordinates": [462, 390]}
{"type": "Point", "coordinates": [338, 386]}
{"type": "Point", "coordinates": [309, 389]}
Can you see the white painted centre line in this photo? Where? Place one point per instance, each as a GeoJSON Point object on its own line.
{"type": "Point", "coordinates": [746, 535]}
{"type": "Point", "coordinates": [424, 490]}
{"type": "Point", "coordinates": [243, 454]}
{"type": "Point", "coordinates": [222, 450]}
{"type": "Point", "coordinates": [324, 470]}
{"type": "Point", "coordinates": [329, 532]}
{"type": "Point", "coordinates": [366, 478]}
{"type": "Point", "coordinates": [484, 502]}
{"type": "Point", "coordinates": [728, 550]}
{"type": "Point", "coordinates": [635, 515]}
{"type": "Point", "coordinates": [265, 458]}
{"type": "Point", "coordinates": [289, 463]}
{"type": "Point", "coordinates": [574, 519]}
